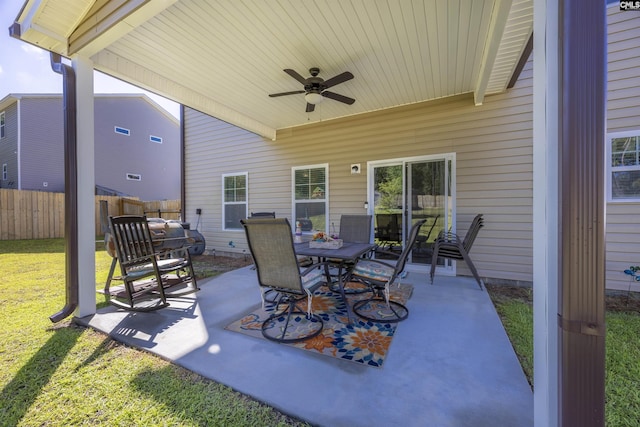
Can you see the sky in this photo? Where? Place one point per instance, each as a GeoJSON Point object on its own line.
{"type": "Point", "coordinates": [26, 69]}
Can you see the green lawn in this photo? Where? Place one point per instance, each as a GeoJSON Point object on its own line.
{"type": "Point", "coordinates": [62, 375]}
{"type": "Point", "coordinates": [622, 383]}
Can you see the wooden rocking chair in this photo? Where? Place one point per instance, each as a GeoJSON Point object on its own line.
{"type": "Point", "coordinates": [149, 277]}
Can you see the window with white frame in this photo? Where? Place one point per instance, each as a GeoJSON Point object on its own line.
{"type": "Point", "coordinates": [310, 198]}
{"type": "Point", "coordinates": [2, 130]}
{"type": "Point", "coordinates": [5, 172]}
{"type": "Point", "coordinates": [156, 139]}
{"type": "Point", "coordinates": [234, 200]}
{"type": "Point", "coordinates": [623, 166]}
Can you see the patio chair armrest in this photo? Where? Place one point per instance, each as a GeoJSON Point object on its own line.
{"type": "Point", "coordinates": [377, 261]}
{"type": "Point", "coordinates": [385, 252]}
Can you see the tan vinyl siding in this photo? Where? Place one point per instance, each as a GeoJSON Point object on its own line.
{"type": "Point", "coordinates": [623, 114]}
{"type": "Point", "coordinates": [623, 245]}
{"type": "Point", "coordinates": [492, 143]}
{"type": "Point", "coordinates": [493, 146]}
{"type": "Point", "coordinates": [213, 148]}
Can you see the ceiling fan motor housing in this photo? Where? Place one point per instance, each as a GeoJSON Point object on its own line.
{"type": "Point", "coordinates": [314, 84]}
{"type": "Point", "coordinates": [314, 87]}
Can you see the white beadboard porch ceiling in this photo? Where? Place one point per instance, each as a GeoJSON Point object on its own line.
{"type": "Point", "coordinates": [223, 57]}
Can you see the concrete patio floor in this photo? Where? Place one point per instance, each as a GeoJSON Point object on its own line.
{"type": "Point", "coordinates": [450, 363]}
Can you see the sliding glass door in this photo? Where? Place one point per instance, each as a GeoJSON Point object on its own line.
{"type": "Point", "coordinates": [404, 191]}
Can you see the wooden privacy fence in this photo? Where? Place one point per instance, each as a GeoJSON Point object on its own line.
{"type": "Point", "coordinates": [40, 214]}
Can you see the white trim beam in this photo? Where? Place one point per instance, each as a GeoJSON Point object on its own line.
{"type": "Point", "coordinates": [498, 23]}
{"type": "Point", "coordinates": [149, 80]}
{"type": "Point", "coordinates": [85, 189]}
{"type": "Point", "coordinates": [546, 245]}
{"type": "Point", "coordinates": [111, 22]}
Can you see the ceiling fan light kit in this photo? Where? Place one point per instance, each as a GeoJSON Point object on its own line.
{"type": "Point", "coordinates": [315, 88]}
{"type": "Point", "coordinates": [313, 98]}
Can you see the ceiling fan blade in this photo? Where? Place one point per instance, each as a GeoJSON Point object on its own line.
{"type": "Point", "coordinates": [286, 93]}
{"type": "Point", "coordinates": [338, 97]}
{"type": "Point", "coordinates": [340, 78]}
{"type": "Point", "coordinates": [295, 75]}
{"type": "Point", "coordinates": [310, 107]}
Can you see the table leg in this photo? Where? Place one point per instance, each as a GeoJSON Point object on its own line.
{"type": "Point", "coordinates": [342, 293]}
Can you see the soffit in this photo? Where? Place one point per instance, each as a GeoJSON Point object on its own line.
{"type": "Point", "coordinates": [224, 57]}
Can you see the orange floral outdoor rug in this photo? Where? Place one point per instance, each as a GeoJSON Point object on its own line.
{"type": "Point", "coordinates": [363, 341]}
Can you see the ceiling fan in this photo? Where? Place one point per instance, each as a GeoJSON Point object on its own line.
{"type": "Point", "coordinates": [315, 88]}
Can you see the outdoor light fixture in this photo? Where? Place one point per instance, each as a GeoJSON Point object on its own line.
{"type": "Point", "coordinates": [313, 97]}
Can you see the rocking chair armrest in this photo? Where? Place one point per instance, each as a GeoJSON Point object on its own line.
{"type": "Point", "coordinates": [139, 260]}
{"type": "Point", "coordinates": [151, 259]}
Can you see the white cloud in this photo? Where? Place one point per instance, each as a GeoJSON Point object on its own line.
{"type": "Point", "coordinates": [24, 79]}
{"type": "Point", "coordinates": [33, 50]}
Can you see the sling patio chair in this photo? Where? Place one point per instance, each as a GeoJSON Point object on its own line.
{"type": "Point", "coordinates": [388, 230]}
{"type": "Point", "coordinates": [271, 296]}
{"type": "Point", "coordinates": [379, 276]}
{"type": "Point", "coordinates": [449, 245]}
{"type": "Point", "coordinates": [263, 215]}
{"type": "Point", "coordinates": [355, 229]}
{"type": "Point", "coordinates": [149, 277]}
{"type": "Point", "coordinates": [271, 244]}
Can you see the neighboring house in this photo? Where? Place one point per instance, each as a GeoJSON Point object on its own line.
{"type": "Point", "coordinates": [137, 145]}
{"type": "Point", "coordinates": [483, 154]}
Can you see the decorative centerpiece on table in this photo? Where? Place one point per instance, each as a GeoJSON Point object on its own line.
{"type": "Point", "coordinates": [324, 241]}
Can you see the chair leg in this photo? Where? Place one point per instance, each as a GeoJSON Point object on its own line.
{"type": "Point", "coordinates": [472, 267]}
{"type": "Point", "coordinates": [342, 278]}
{"type": "Point", "coordinates": [396, 312]}
{"type": "Point", "coordinates": [185, 282]}
{"type": "Point", "coordinates": [381, 310]}
{"type": "Point", "coordinates": [274, 323]}
{"type": "Point", "coordinates": [114, 261]}
{"type": "Point", "coordinates": [139, 296]}
{"type": "Point", "coordinates": [271, 300]}
{"type": "Point", "coordinates": [137, 306]}
{"type": "Point", "coordinates": [434, 261]}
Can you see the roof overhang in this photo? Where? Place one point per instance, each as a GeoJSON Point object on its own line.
{"type": "Point", "coordinates": [224, 57]}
